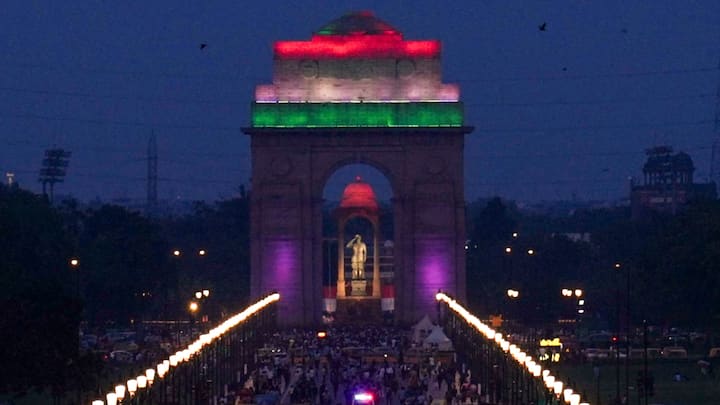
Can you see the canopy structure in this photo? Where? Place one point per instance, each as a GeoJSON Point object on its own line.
{"type": "Point", "coordinates": [437, 338]}
{"type": "Point", "coordinates": [422, 329]}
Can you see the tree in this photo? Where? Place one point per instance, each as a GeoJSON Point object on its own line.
{"type": "Point", "coordinates": [124, 266]}
{"type": "Point", "coordinates": [222, 229]}
{"type": "Point", "coordinates": [41, 314]}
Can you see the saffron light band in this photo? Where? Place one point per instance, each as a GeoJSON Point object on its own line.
{"type": "Point", "coordinates": [365, 46]}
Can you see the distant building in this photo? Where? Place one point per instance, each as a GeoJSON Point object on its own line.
{"type": "Point", "coordinates": [668, 183]}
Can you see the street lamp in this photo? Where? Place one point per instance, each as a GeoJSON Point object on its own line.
{"type": "Point", "coordinates": [176, 253]}
{"type": "Point", "coordinates": [206, 293]}
{"type": "Point", "coordinates": [120, 391]}
{"type": "Point", "coordinates": [132, 386]}
{"type": "Point", "coordinates": [75, 266]}
{"type": "Point", "coordinates": [198, 294]}
{"type": "Point", "coordinates": [150, 375]}
{"type": "Point", "coordinates": [628, 320]}
{"type": "Point", "coordinates": [193, 306]}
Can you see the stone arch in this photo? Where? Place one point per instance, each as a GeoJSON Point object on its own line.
{"type": "Point", "coordinates": [343, 161]}
{"type": "Point", "coordinates": [290, 170]}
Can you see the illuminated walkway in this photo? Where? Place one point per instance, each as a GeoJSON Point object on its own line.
{"type": "Point", "coordinates": [498, 370]}
{"type": "Point", "coordinates": [508, 374]}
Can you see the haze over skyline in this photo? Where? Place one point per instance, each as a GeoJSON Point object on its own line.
{"type": "Point", "coordinates": [558, 113]}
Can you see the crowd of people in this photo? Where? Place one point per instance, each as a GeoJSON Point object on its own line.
{"type": "Point", "coordinates": [347, 365]}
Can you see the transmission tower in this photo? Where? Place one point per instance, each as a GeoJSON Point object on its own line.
{"type": "Point", "coordinates": [152, 159]}
{"type": "Point", "coordinates": [54, 168]}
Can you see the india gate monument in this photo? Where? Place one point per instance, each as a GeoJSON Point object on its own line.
{"type": "Point", "coordinates": [357, 92]}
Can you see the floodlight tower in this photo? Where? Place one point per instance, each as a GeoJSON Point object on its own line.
{"type": "Point", "coordinates": [54, 168]}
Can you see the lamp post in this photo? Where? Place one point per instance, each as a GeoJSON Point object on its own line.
{"type": "Point", "coordinates": [75, 265]}
{"type": "Point", "coordinates": [576, 293]}
{"type": "Point", "coordinates": [193, 308]}
{"type": "Point", "coordinates": [120, 392]}
{"type": "Point", "coordinates": [513, 295]}
{"type": "Point", "coordinates": [628, 321]}
{"type": "Point", "coordinates": [509, 250]}
{"type": "Point", "coordinates": [132, 386]}
{"type": "Point", "coordinates": [617, 336]}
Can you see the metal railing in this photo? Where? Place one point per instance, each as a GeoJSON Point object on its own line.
{"type": "Point", "coordinates": [202, 371]}
{"type": "Point", "coordinates": [506, 373]}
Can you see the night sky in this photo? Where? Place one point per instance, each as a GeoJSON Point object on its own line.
{"type": "Point", "coordinates": [559, 114]}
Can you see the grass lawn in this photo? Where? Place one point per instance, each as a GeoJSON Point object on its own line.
{"type": "Point", "coordinates": [697, 390]}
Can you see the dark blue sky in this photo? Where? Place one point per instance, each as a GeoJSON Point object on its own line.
{"type": "Point", "coordinates": [562, 112]}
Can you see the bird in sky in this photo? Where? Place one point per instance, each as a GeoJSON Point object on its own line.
{"type": "Point", "coordinates": [203, 46]}
{"type": "Point", "coordinates": [543, 26]}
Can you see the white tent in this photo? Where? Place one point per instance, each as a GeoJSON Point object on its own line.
{"type": "Point", "coordinates": [438, 338]}
{"type": "Point", "coordinates": [422, 329]}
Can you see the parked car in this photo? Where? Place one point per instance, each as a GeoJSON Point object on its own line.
{"type": "Point", "coordinates": [595, 353]}
{"type": "Point", "coordinates": [674, 352]}
{"type": "Point", "coordinates": [122, 356]}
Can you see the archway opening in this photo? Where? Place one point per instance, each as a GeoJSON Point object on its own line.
{"type": "Point", "coordinates": [358, 236]}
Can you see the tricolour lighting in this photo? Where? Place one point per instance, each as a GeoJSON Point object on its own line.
{"type": "Point", "coordinates": [365, 46]}
{"type": "Point", "coordinates": [328, 115]}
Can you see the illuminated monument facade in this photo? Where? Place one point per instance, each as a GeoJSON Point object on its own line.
{"type": "Point", "coordinates": [357, 92]}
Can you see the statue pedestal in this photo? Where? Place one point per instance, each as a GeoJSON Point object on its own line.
{"type": "Point", "coordinates": [358, 310]}
{"type": "Point", "coordinates": [358, 288]}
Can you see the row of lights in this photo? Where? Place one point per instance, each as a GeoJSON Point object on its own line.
{"type": "Point", "coordinates": [194, 306]}
{"type": "Point", "coordinates": [521, 357]}
{"type": "Point", "coordinates": [567, 292]}
{"type": "Point", "coordinates": [177, 252]}
{"type": "Point", "coordinates": [513, 293]}
{"type": "Point", "coordinates": [145, 381]}
{"type": "Point", "coordinates": [509, 250]}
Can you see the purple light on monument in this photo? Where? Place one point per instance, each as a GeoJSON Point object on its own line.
{"type": "Point", "coordinates": [281, 270]}
{"type": "Point", "coordinates": [434, 270]}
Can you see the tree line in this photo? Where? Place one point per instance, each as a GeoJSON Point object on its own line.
{"type": "Point", "coordinates": [127, 270]}
{"type": "Point", "coordinates": [106, 266]}
{"type": "Point", "coordinates": [668, 267]}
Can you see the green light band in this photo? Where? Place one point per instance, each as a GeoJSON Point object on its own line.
{"type": "Point", "coordinates": [307, 115]}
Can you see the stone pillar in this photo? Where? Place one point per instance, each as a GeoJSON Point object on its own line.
{"type": "Point", "coordinates": [341, 261]}
{"type": "Point", "coordinates": [376, 261]}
